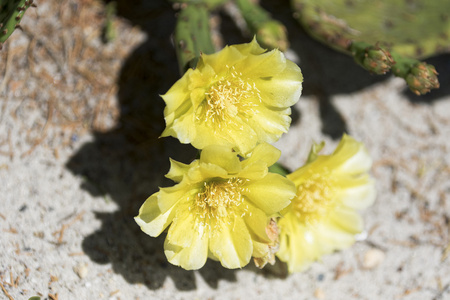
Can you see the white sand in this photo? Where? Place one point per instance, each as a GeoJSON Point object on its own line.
{"type": "Point", "coordinates": [66, 206]}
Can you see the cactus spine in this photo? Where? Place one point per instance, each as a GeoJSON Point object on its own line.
{"type": "Point", "coordinates": [11, 13]}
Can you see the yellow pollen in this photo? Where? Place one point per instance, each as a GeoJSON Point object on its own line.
{"type": "Point", "coordinates": [229, 97]}
{"type": "Point", "coordinates": [315, 197]}
{"type": "Point", "coordinates": [219, 201]}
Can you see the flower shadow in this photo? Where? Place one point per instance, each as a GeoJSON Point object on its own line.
{"type": "Point", "coordinates": [127, 164]}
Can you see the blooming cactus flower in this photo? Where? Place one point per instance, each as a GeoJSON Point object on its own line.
{"type": "Point", "coordinates": [322, 217]}
{"type": "Point", "coordinates": [237, 97]}
{"type": "Point", "coordinates": [219, 208]}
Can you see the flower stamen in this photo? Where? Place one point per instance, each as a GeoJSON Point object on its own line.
{"type": "Point", "coordinates": [315, 197]}
{"type": "Point", "coordinates": [229, 97]}
{"type": "Point", "coordinates": [219, 201]}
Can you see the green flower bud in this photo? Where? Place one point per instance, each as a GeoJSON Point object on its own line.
{"type": "Point", "coordinates": [377, 60]}
{"type": "Point", "coordinates": [273, 35]}
{"type": "Point", "coordinates": [372, 58]}
{"type": "Point", "coordinates": [422, 78]}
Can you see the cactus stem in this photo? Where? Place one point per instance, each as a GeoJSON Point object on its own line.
{"type": "Point", "coordinates": [11, 13]}
{"type": "Point", "coordinates": [269, 32]}
{"type": "Point", "coordinates": [192, 35]}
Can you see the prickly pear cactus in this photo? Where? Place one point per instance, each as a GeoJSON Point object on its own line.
{"type": "Point", "coordinates": [11, 13]}
{"type": "Point", "coordinates": [368, 29]}
{"type": "Point", "coordinates": [415, 28]}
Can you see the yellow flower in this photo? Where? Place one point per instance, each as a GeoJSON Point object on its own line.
{"type": "Point", "coordinates": [237, 97]}
{"type": "Point", "coordinates": [322, 217]}
{"type": "Point", "coordinates": [219, 209]}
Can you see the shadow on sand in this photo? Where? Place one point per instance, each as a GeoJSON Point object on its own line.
{"type": "Point", "coordinates": [127, 164]}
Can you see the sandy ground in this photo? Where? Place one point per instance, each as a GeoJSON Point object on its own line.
{"type": "Point", "coordinates": [79, 121]}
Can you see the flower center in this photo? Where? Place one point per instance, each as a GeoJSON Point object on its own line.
{"type": "Point", "coordinates": [230, 96]}
{"type": "Point", "coordinates": [219, 201]}
{"type": "Point", "coordinates": [315, 197]}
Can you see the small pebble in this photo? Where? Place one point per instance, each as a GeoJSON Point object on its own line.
{"type": "Point", "coordinates": [81, 270]}
{"type": "Point", "coordinates": [319, 294]}
{"type": "Point", "coordinates": [373, 258]}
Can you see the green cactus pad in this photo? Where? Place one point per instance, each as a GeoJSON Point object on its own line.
{"type": "Point", "coordinates": [11, 13]}
{"type": "Point", "coordinates": [413, 28]}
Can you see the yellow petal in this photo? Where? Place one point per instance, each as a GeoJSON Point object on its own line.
{"type": "Point", "coordinates": [236, 134]}
{"type": "Point", "coordinates": [260, 249]}
{"type": "Point", "coordinates": [346, 219]}
{"type": "Point", "coordinates": [331, 238]}
{"type": "Point", "coordinates": [150, 218]}
{"type": "Point", "coordinates": [205, 171]}
{"type": "Point", "coordinates": [183, 127]}
{"type": "Point", "coordinates": [270, 124]}
{"type": "Point", "coordinates": [189, 258]}
{"type": "Point", "coordinates": [351, 156]}
{"type": "Point", "coordinates": [284, 89]}
{"type": "Point", "coordinates": [271, 194]}
{"type": "Point", "coordinates": [168, 197]}
{"type": "Point", "coordinates": [256, 222]}
{"type": "Point", "coordinates": [255, 171]}
{"type": "Point", "coordinates": [358, 196]}
{"type": "Point", "coordinates": [201, 77]}
{"type": "Point", "coordinates": [257, 66]}
{"type": "Point", "coordinates": [250, 48]}
{"type": "Point", "coordinates": [314, 152]}
{"type": "Point", "coordinates": [244, 138]}
{"type": "Point", "coordinates": [177, 94]}
{"type": "Point", "coordinates": [298, 246]}
{"type": "Point", "coordinates": [220, 61]}
{"type": "Point", "coordinates": [184, 229]}
{"type": "Point", "coordinates": [232, 244]}
{"type": "Point", "coordinates": [221, 156]}
{"type": "Point", "coordinates": [177, 170]}
{"type": "Point", "coordinates": [263, 152]}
